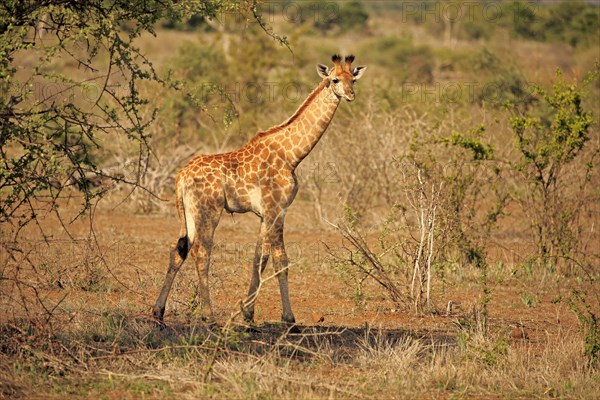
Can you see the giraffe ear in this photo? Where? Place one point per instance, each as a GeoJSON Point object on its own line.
{"type": "Point", "coordinates": [322, 71]}
{"type": "Point", "coordinates": [358, 71]}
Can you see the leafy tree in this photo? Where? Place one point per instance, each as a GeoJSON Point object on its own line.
{"type": "Point", "coordinates": [52, 124]}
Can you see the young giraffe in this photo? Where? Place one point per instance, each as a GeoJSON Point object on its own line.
{"type": "Point", "coordinates": [260, 178]}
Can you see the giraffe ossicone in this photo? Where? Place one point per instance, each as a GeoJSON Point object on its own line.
{"type": "Point", "coordinates": [258, 178]}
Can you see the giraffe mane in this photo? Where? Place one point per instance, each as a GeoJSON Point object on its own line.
{"type": "Point", "coordinates": [297, 114]}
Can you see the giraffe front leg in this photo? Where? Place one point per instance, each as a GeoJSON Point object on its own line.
{"type": "Point", "coordinates": [280, 263]}
{"type": "Point", "coordinates": [261, 256]}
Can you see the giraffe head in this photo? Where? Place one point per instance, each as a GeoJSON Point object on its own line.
{"type": "Point", "coordinates": [341, 76]}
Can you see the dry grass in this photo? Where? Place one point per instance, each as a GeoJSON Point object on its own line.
{"type": "Point", "coordinates": [266, 363]}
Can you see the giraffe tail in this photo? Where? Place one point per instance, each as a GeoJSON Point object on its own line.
{"type": "Point", "coordinates": [184, 244]}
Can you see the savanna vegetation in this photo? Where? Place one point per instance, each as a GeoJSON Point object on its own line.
{"type": "Point", "coordinates": [444, 242]}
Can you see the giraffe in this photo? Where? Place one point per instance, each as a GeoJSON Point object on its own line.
{"type": "Point", "coordinates": [259, 178]}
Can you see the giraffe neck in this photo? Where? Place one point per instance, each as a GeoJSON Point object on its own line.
{"type": "Point", "coordinates": [300, 133]}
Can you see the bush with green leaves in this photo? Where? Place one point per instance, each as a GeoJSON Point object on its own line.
{"type": "Point", "coordinates": [474, 193]}
{"type": "Point", "coordinates": [554, 167]}
{"type": "Point", "coordinates": [53, 123]}
{"type": "Point", "coordinates": [231, 93]}
{"type": "Point", "coordinates": [352, 16]}
{"type": "Point", "coordinates": [410, 62]}
{"type": "Point", "coordinates": [521, 18]}
{"type": "Point", "coordinates": [328, 16]}
{"type": "Point", "coordinates": [576, 23]}
{"type": "Point", "coordinates": [477, 29]}
{"type": "Point", "coordinates": [573, 22]}
{"type": "Point", "coordinates": [498, 81]}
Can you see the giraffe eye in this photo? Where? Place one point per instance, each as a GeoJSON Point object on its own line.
{"type": "Point", "coordinates": [335, 80]}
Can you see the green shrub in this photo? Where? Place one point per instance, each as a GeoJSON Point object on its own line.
{"type": "Point", "coordinates": [326, 15]}
{"type": "Point", "coordinates": [352, 16]}
{"type": "Point", "coordinates": [192, 23]}
{"type": "Point", "coordinates": [475, 30]}
{"type": "Point", "coordinates": [550, 138]}
{"type": "Point", "coordinates": [508, 87]}
{"type": "Point", "coordinates": [202, 70]}
{"type": "Point", "coordinates": [408, 61]}
{"type": "Point", "coordinates": [573, 22]}
{"type": "Point", "coordinates": [521, 20]}
{"type": "Point", "coordinates": [497, 82]}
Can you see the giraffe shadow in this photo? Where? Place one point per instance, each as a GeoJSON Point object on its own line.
{"type": "Point", "coordinates": [308, 342]}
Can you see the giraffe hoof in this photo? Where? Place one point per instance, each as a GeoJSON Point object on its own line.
{"type": "Point", "coordinates": [210, 321]}
{"type": "Point", "coordinates": [290, 322]}
{"type": "Point", "coordinates": [294, 329]}
{"type": "Point", "coordinates": [160, 324]}
{"type": "Point", "coordinates": [251, 329]}
{"type": "Point", "coordinates": [248, 317]}
{"type": "Point", "coordinates": [158, 315]}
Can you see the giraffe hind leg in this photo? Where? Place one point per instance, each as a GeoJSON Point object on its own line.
{"type": "Point", "coordinates": [178, 254]}
{"type": "Point", "coordinates": [201, 252]}
{"type": "Point", "coordinates": [178, 251]}
{"type": "Point", "coordinates": [261, 257]}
